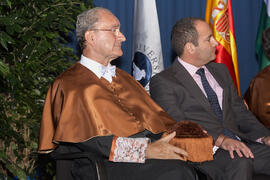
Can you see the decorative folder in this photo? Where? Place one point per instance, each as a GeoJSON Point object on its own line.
{"type": "Point", "coordinates": [191, 137]}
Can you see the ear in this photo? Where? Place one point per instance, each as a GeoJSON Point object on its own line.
{"type": "Point", "coordinates": [89, 37]}
{"type": "Point", "coordinates": [190, 48]}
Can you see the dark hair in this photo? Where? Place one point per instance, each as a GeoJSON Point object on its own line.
{"type": "Point", "coordinates": [85, 21]}
{"type": "Point", "coordinates": [184, 31]}
{"type": "Point", "coordinates": [266, 42]}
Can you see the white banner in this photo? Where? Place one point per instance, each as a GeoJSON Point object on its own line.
{"type": "Point", "coordinates": [267, 7]}
{"type": "Point", "coordinates": [147, 51]}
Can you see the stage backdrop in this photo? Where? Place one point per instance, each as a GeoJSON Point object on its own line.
{"type": "Point", "coordinates": [246, 14]}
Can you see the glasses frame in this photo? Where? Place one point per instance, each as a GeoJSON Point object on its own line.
{"type": "Point", "coordinates": [116, 31]}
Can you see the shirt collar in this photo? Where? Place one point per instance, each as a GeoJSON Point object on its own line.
{"type": "Point", "coordinates": [98, 69]}
{"type": "Point", "coordinates": [189, 67]}
{"type": "Point", "coordinates": [92, 65]}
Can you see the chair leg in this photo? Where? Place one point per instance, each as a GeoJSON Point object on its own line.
{"type": "Point", "coordinates": [101, 170]}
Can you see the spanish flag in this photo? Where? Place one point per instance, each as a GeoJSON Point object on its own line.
{"type": "Point", "coordinates": [219, 16]}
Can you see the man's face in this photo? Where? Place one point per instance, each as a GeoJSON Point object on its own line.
{"type": "Point", "coordinates": [206, 49]}
{"type": "Point", "coordinates": [108, 43]}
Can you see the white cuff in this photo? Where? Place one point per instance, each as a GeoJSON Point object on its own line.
{"type": "Point", "coordinates": [128, 149]}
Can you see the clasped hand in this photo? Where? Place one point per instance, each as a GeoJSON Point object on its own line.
{"type": "Point", "coordinates": [161, 149]}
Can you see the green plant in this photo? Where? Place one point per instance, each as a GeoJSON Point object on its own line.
{"type": "Point", "coordinates": [33, 34]}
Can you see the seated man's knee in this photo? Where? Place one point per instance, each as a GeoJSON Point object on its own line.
{"type": "Point", "coordinates": [241, 166]}
{"type": "Point", "coordinates": [244, 163]}
{"type": "Point", "coordinates": [177, 170]}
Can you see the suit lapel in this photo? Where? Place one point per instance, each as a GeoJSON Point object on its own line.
{"type": "Point", "coordinates": [218, 77]}
{"type": "Point", "coordinates": [184, 78]}
{"type": "Point", "coordinates": [216, 74]}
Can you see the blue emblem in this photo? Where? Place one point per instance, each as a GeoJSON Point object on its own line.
{"type": "Point", "coordinates": [141, 68]}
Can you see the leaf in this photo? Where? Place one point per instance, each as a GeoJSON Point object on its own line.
{"type": "Point", "coordinates": [6, 20]}
{"type": "Point", "coordinates": [17, 28]}
{"type": "Point", "coordinates": [50, 35]}
{"type": "Point", "coordinates": [9, 3]}
{"type": "Point", "coordinates": [4, 44]}
{"type": "Point", "coordinates": [6, 39]}
{"type": "Point", "coordinates": [82, 6]}
{"type": "Point", "coordinates": [36, 91]}
{"type": "Point", "coordinates": [10, 30]}
{"type": "Point", "coordinates": [4, 69]}
{"type": "Point", "coordinates": [13, 168]}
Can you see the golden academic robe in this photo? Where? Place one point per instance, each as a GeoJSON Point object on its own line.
{"type": "Point", "coordinates": [257, 96]}
{"type": "Point", "coordinates": [80, 106]}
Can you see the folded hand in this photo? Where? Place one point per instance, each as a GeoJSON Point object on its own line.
{"type": "Point", "coordinates": [161, 149]}
{"type": "Point", "coordinates": [234, 145]}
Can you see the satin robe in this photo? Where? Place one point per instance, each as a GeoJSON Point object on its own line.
{"type": "Point", "coordinates": [80, 106]}
{"type": "Point", "coordinates": [257, 96]}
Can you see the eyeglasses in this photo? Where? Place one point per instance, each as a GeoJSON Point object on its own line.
{"type": "Point", "coordinates": [115, 31]}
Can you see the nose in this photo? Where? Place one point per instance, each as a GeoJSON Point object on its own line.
{"type": "Point", "coordinates": [121, 36]}
{"type": "Point", "coordinates": [214, 42]}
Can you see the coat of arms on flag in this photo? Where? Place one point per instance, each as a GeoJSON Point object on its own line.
{"type": "Point", "coordinates": [219, 16]}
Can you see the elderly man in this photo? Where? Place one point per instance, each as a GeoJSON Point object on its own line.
{"type": "Point", "coordinates": [195, 88]}
{"type": "Point", "coordinates": [97, 108]}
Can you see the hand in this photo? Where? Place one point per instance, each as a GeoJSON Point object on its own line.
{"type": "Point", "coordinates": [161, 149]}
{"type": "Point", "coordinates": [266, 140]}
{"type": "Point", "coordinates": [234, 145]}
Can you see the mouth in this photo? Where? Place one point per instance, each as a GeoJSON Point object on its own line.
{"type": "Point", "coordinates": [118, 45]}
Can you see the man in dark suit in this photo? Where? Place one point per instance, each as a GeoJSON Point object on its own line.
{"type": "Point", "coordinates": [195, 88]}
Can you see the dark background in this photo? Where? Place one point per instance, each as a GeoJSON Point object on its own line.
{"type": "Point", "coordinates": [246, 14]}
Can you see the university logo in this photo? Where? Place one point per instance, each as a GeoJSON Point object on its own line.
{"type": "Point", "coordinates": [141, 68]}
{"type": "Point", "coordinates": [146, 63]}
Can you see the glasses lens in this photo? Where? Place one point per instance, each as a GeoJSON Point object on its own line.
{"type": "Point", "coordinates": [116, 31]}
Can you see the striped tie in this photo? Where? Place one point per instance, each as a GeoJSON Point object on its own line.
{"type": "Point", "coordinates": [213, 100]}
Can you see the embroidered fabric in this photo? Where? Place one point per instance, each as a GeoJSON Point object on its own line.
{"type": "Point", "coordinates": [128, 149]}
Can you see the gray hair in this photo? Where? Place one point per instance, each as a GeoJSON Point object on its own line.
{"type": "Point", "coordinates": [184, 31]}
{"type": "Point", "coordinates": [85, 21]}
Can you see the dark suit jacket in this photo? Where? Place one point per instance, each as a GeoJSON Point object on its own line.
{"type": "Point", "coordinates": [178, 94]}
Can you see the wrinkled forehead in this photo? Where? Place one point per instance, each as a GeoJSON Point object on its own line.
{"type": "Point", "coordinates": [107, 19]}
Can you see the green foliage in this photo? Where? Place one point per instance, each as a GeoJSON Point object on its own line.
{"type": "Point", "coordinates": [33, 35]}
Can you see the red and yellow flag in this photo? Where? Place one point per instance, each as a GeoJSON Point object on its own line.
{"type": "Point", "coordinates": [219, 16]}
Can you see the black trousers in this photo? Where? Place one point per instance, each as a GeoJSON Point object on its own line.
{"type": "Point", "coordinates": [154, 169]}
{"type": "Point", "coordinates": [78, 161]}
{"type": "Point", "coordinates": [160, 170]}
{"type": "Point", "coordinates": [243, 168]}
